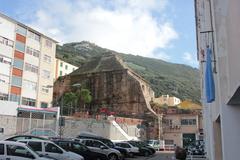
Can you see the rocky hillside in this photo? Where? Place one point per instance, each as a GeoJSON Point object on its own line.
{"type": "Point", "coordinates": [165, 78]}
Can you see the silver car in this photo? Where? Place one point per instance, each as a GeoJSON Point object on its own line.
{"type": "Point", "coordinates": [98, 146]}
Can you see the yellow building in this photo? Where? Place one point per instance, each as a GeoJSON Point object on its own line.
{"type": "Point", "coordinates": [167, 100]}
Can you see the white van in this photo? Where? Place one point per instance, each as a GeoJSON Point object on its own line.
{"type": "Point", "coordinates": [18, 151]}
{"type": "Point", "coordinates": [50, 149]}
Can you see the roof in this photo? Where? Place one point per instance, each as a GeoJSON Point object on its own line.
{"type": "Point", "coordinates": [14, 143]}
{"type": "Point", "coordinates": [103, 63]}
{"type": "Point", "coordinates": [23, 25]}
{"type": "Point", "coordinates": [189, 105]}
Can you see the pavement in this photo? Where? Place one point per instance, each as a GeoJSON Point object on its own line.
{"type": "Point", "coordinates": [157, 156]}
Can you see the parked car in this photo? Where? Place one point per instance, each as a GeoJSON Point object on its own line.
{"type": "Point", "coordinates": [143, 151]}
{"type": "Point", "coordinates": [154, 143]}
{"type": "Point", "coordinates": [50, 149]}
{"type": "Point", "coordinates": [130, 148]}
{"type": "Point", "coordinates": [81, 149]}
{"type": "Point", "coordinates": [99, 147]}
{"type": "Point", "coordinates": [18, 151]}
{"type": "Point", "coordinates": [106, 141]}
{"type": "Point", "coordinates": [22, 137]}
{"type": "Point", "coordinates": [143, 144]}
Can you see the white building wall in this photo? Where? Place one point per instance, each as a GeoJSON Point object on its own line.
{"type": "Point", "coordinates": [225, 15]}
{"type": "Point", "coordinates": [7, 29]}
{"type": "Point", "coordinates": [6, 50]}
{"type": "Point", "coordinates": [60, 68]}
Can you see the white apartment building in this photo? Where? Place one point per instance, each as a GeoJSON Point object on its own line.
{"type": "Point", "coordinates": [217, 24]}
{"type": "Point", "coordinates": [27, 60]}
{"type": "Point", "coordinates": [63, 68]}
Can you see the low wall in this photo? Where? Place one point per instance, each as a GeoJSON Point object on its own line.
{"type": "Point", "coordinates": [15, 125]}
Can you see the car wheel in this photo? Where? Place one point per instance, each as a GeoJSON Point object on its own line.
{"type": "Point", "coordinates": [146, 154]}
{"type": "Point", "coordinates": [131, 155]}
{"type": "Point", "coordinates": [113, 157]}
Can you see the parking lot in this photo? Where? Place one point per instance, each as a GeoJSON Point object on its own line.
{"type": "Point", "coordinates": [157, 156]}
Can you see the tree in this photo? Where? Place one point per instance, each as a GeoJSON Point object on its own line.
{"type": "Point", "coordinates": [85, 96]}
{"type": "Point", "coordinates": [70, 99]}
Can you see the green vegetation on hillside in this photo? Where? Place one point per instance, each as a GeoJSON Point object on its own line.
{"type": "Point", "coordinates": [165, 78]}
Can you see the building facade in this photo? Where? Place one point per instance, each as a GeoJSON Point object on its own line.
{"type": "Point", "coordinates": [217, 24]}
{"type": "Point", "coordinates": [63, 68]}
{"type": "Point", "coordinates": [167, 100]}
{"type": "Point", "coordinates": [27, 60]}
{"type": "Point", "coordinates": [182, 128]}
{"type": "Point", "coordinates": [179, 125]}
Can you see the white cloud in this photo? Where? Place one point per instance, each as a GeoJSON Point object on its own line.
{"type": "Point", "coordinates": [126, 26]}
{"type": "Point", "coordinates": [164, 56]}
{"type": "Point", "coordinates": [190, 59]}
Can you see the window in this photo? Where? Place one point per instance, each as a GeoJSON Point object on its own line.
{"type": "Point", "coordinates": [44, 105]}
{"type": "Point", "coordinates": [3, 96]}
{"type": "Point", "coordinates": [61, 64]}
{"type": "Point", "coordinates": [66, 67]}
{"type": "Point", "coordinates": [64, 145]}
{"type": "Point", "coordinates": [16, 81]}
{"type": "Point", "coordinates": [5, 60]}
{"type": "Point", "coordinates": [28, 102]}
{"type": "Point", "coordinates": [49, 147]}
{"type": "Point", "coordinates": [97, 144]}
{"type": "Point", "coordinates": [124, 145]}
{"type": "Point", "coordinates": [61, 73]}
{"type": "Point", "coordinates": [1, 149]}
{"type": "Point", "coordinates": [18, 63]}
{"type": "Point", "coordinates": [46, 74]}
{"type": "Point", "coordinates": [36, 146]}
{"type": "Point", "coordinates": [33, 52]}
{"type": "Point", "coordinates": [34, 36]}
{"type": "Point", "coordinates": [78, 146]}
{"type": "Point", "coordinates": [6, 41]}
{"type": "Point", "coordinates": [45, 89]}
{"type": "Point", "coordinates": [47, 58]}
{"type": "Point", "coordinates": [188, 121]}
{"type": "Point", "coordinates": [18, 151]}
{"type": "Point", "coordinates": [168, 122]}
{"type": "Point", "coordinates": [48, 43]}
{"type": "Point", "coordinates": [29, 85]}
{"type": "Point", "coordinates": [31, 68]}
{"type": "Point", "coordinates": [14, 98]}
{"type": "Point", "coordinates": [169, 141]}
{"type": "Point", "coordinates": [21, 30]}
{"type": "Point", "coordinates": [20, 46]}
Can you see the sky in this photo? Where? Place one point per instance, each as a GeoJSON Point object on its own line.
{"type": "Point", "coordinates": [163, 29]}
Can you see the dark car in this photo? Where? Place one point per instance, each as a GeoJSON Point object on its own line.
{"type": "Point", "coordinates": [81, 149]}
{"type": "Point", "coordinates": [143, 151]}
{"type": "Point", "coordinates": [143, 144]}
{"type": "Point", "coordinates": [23, 137]}
{"type": "Point", "coordinates": [106, 141]}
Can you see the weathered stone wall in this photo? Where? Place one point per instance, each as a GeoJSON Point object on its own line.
{"type": "Point", "coordinates": [115, 90]}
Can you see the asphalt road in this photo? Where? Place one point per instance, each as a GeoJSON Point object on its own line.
{"type": "Point", "coordinates": [157, 156]}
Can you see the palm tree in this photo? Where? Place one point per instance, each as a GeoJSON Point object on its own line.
{"type": "Point", "coordinates": [70, 99]}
